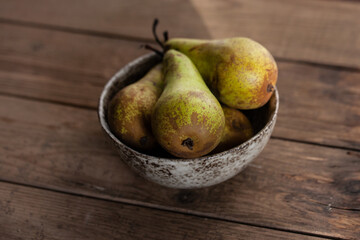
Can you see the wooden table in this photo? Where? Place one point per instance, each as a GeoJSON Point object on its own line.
{"type": "Point", "coordinates": [59, 179]}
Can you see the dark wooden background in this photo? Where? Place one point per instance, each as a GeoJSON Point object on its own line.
{"type": "Point", "coordinates": [59, 179]}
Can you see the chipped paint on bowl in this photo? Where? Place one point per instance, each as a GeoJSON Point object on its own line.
{"type": "Point", "coordinates": [186, 173]}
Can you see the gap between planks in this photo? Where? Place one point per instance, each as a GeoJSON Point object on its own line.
{"type": "Point", "coordinates": [95, 33]}
{"type": "Point", "coordinates": [168, 209]}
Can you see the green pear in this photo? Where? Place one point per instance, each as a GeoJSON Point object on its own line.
{"type": "Point", "coordinates": [237, 130]}
{"type": "Point", "coordinates": [187, 120]}
{"type": "Point", "coordinates": [239, 71]}
{"type": "Point", "coordinates": [129, 112]}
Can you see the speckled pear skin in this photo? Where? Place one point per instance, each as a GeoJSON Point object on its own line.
{"type": "Point", "coordinates": [187, 120]}
{"type": "Point", "coordinates": [186, 173]}
{"type": "Point", "coordinates": [129, 112]}
{"type": "Point", "coordinates": [237, 129]}
{"type": "Point", "coordinates": [239, 71]}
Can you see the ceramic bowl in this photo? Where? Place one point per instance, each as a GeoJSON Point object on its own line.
{"type": "Point", "coordinates": [186, 173]}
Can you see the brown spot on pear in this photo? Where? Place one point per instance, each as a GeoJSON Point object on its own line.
{"type": "Point", "coordinates": [187, 120]}
{"type": "Point", "coordinates": [129, 112]}
{"type": "Point", "coordinates": [240, 71]}
{"type": "Point", "coordinates": [237, 130]}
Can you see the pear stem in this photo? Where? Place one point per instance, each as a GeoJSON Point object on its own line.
{"type": "Point", "coordinates": [156, 21]}
{"type": "Point", "coordinates": [148, 47]}
{"type": "Point", "coordinates": [166, 36]}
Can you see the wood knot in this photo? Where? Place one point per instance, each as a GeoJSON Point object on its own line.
{"type": "Point", "coordinates": [186, 197]}
{"type": "Point", "coordinates": [353, 187]}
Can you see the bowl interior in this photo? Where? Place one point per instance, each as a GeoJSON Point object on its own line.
{"type": "Point", "coordinates": [135, 70]}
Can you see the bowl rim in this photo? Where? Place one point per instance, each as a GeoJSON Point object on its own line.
{"type": "Point", "coordinates": [106, 128]}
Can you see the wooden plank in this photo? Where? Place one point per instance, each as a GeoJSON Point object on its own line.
{"type": "Point", "coordinates": [28, 213]}
{"type": "Point", "coordinates": [292, 186]}
{"type": "Point", "coordinates": [68, 52]}
{"type": "Point", "coordinates": [319, 105]}
{"type": "Point", "coordinates": [58, 66]}
{"type": "Point", "coordinates": [316, 31]}
{"type": "Point", "coordinates": [73, 69]}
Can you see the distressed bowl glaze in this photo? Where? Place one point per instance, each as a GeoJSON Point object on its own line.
{"type": "Point", "coordinates": [187, 173]}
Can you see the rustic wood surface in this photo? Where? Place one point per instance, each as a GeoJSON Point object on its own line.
{"type": "Point", "coordinates": [59, 179]}
{"type": "Point", "coordinates": [316, 31]}
{"type": "Point", "coordinates": [49, 215]}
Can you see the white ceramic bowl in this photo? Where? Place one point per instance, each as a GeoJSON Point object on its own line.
{"type": "Point", "coordinates": [186, 173]}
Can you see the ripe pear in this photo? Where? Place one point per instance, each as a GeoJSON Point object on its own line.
{"type": "Point", "coordinates": [129, 112]}
{"type": "Point", "coordinates": [239, 71]}
{"type": "Point", "coordinates": [237, 130]}
{"type": "Point", "coordinates": [187, 120]}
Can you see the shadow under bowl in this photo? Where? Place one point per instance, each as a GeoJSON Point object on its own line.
{"type": "Point", "coordinates": [186, 173]}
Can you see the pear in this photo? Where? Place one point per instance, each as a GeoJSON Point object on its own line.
{"type": "Point", "coordinates": [129, 112]}
{"type": "Point", "coordinates": [187, 120]}
{"type": "Point", "coordinates": [239, 71]}
{"type": "Point", "coordinates": [237, 130]}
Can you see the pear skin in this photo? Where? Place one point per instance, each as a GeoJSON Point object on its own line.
{"type": "Point", "coordinates": [239, 71]}
{"type": "Point", "coordinates": [129, 112]}
{"type": "Point", "coordinates": [187, 120]}
{"type": "Point", "coordinates": [237, 130]}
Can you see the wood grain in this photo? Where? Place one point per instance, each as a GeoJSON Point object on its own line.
{"type": "Point", "coordinates": [292, 186]}
{"type": "Point", "coordinates": [62, 67]}
{"type": "Point", "coordinates": [75, 53]}
{"type": "Point", "coordinates": [38, 214]}
{"type": "Point", "coordinates": [317, 104]}
{"type": "Point", "coordinates": [315, 31]}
